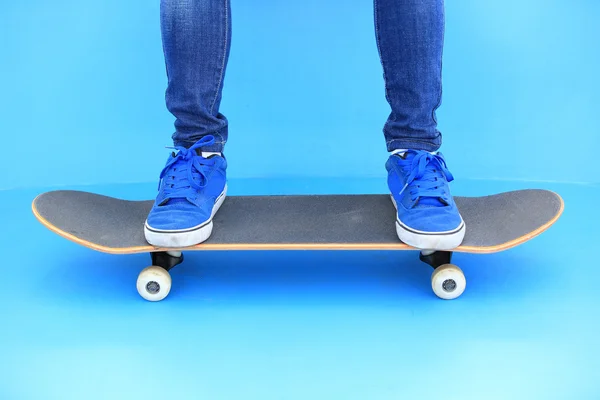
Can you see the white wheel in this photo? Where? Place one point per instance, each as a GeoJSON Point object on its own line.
{"type": "Point", "coordinates": [154, 283]}
{"type": "Point", "coordinates": [448, 282]}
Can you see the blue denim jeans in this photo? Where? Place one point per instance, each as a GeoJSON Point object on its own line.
{"type": "Point", "coordinates": [196, 38]}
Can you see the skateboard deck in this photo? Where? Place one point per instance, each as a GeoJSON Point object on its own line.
{"type": "Point", "coordinates": [298, 222]}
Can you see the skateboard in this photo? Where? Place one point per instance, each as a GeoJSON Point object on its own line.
{"type": "Point", "coordinates": [298, 222]}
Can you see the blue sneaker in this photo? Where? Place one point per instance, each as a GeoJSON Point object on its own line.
{"type": "Point", "coordinates": [192, 188]}
{"type": "Point", "coordinates": [427, 217]}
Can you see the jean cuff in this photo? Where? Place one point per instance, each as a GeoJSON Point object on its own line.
{"type": "Point", "coordinates": [188, 142]}
{"type": "Point", "coordinates": [414, 144]}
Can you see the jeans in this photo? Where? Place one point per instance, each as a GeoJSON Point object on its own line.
{"type": "Point", "coordinates": [196, 37]}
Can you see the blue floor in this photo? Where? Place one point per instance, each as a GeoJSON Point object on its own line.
{"type": "Point", "coordinates": [301, 325]}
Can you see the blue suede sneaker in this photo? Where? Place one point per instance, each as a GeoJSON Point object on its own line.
{"type": "Point", "coordinates": [427, 217]}
{"type": "Point", "coordinates": [192, 188]}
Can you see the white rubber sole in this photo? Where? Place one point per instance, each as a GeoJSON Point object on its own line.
{"type": "Point", "coordinates": [187, 237]}
{"type": "Point", "coordinates": [427, 240]}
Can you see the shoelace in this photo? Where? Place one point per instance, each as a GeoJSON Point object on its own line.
{"type": "Point", "coordinates": [427, 170]}
{"type": "Point", "coordinates": [186, 172]}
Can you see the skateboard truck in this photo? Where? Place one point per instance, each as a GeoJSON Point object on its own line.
{"type": "Point", "coordinates": [447, 280]}
{"type": "Point", "coordinates": [166, 259]}
{"type": "Point", "coordinates": [435, 258]}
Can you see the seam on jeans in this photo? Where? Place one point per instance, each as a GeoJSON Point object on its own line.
{"type": "Point", "coordinates": [224, 54]}
{"type": "Point", "coordinates": [164, 50]}
{"type": "Point", "coordinates": [439, 103]}
{"type": "Point", "coordinates": [377, 40]}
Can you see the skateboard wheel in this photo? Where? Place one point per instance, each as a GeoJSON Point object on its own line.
{"type": "Point", "coordinates": [448, 281]}
{"type": "Point", "coordinates": [154, 283]}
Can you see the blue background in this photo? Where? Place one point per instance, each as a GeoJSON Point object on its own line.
{"type": "Point", "coordinates": [83, 108]}
{"type": "Point", "coordinates": [85, 81]}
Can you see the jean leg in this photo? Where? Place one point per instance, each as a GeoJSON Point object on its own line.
{"type": "Point", "coordinates": [196, 36]}
{"type": "Point", "coordinates": [410, 36]}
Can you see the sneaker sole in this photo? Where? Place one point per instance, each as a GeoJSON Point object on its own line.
{"type": "Point", "coordinates": [429, 240]}
{"type": "Point", "coordinates": [185, 237]}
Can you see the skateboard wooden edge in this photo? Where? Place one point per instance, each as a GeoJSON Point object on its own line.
{"type": "Point", "coordinates": [295, 246]}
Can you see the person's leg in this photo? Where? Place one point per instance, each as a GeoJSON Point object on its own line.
{"type": "Point", "coordinates": [410, 36]}
{"type": "Point", "coordinates": [196, 37]}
